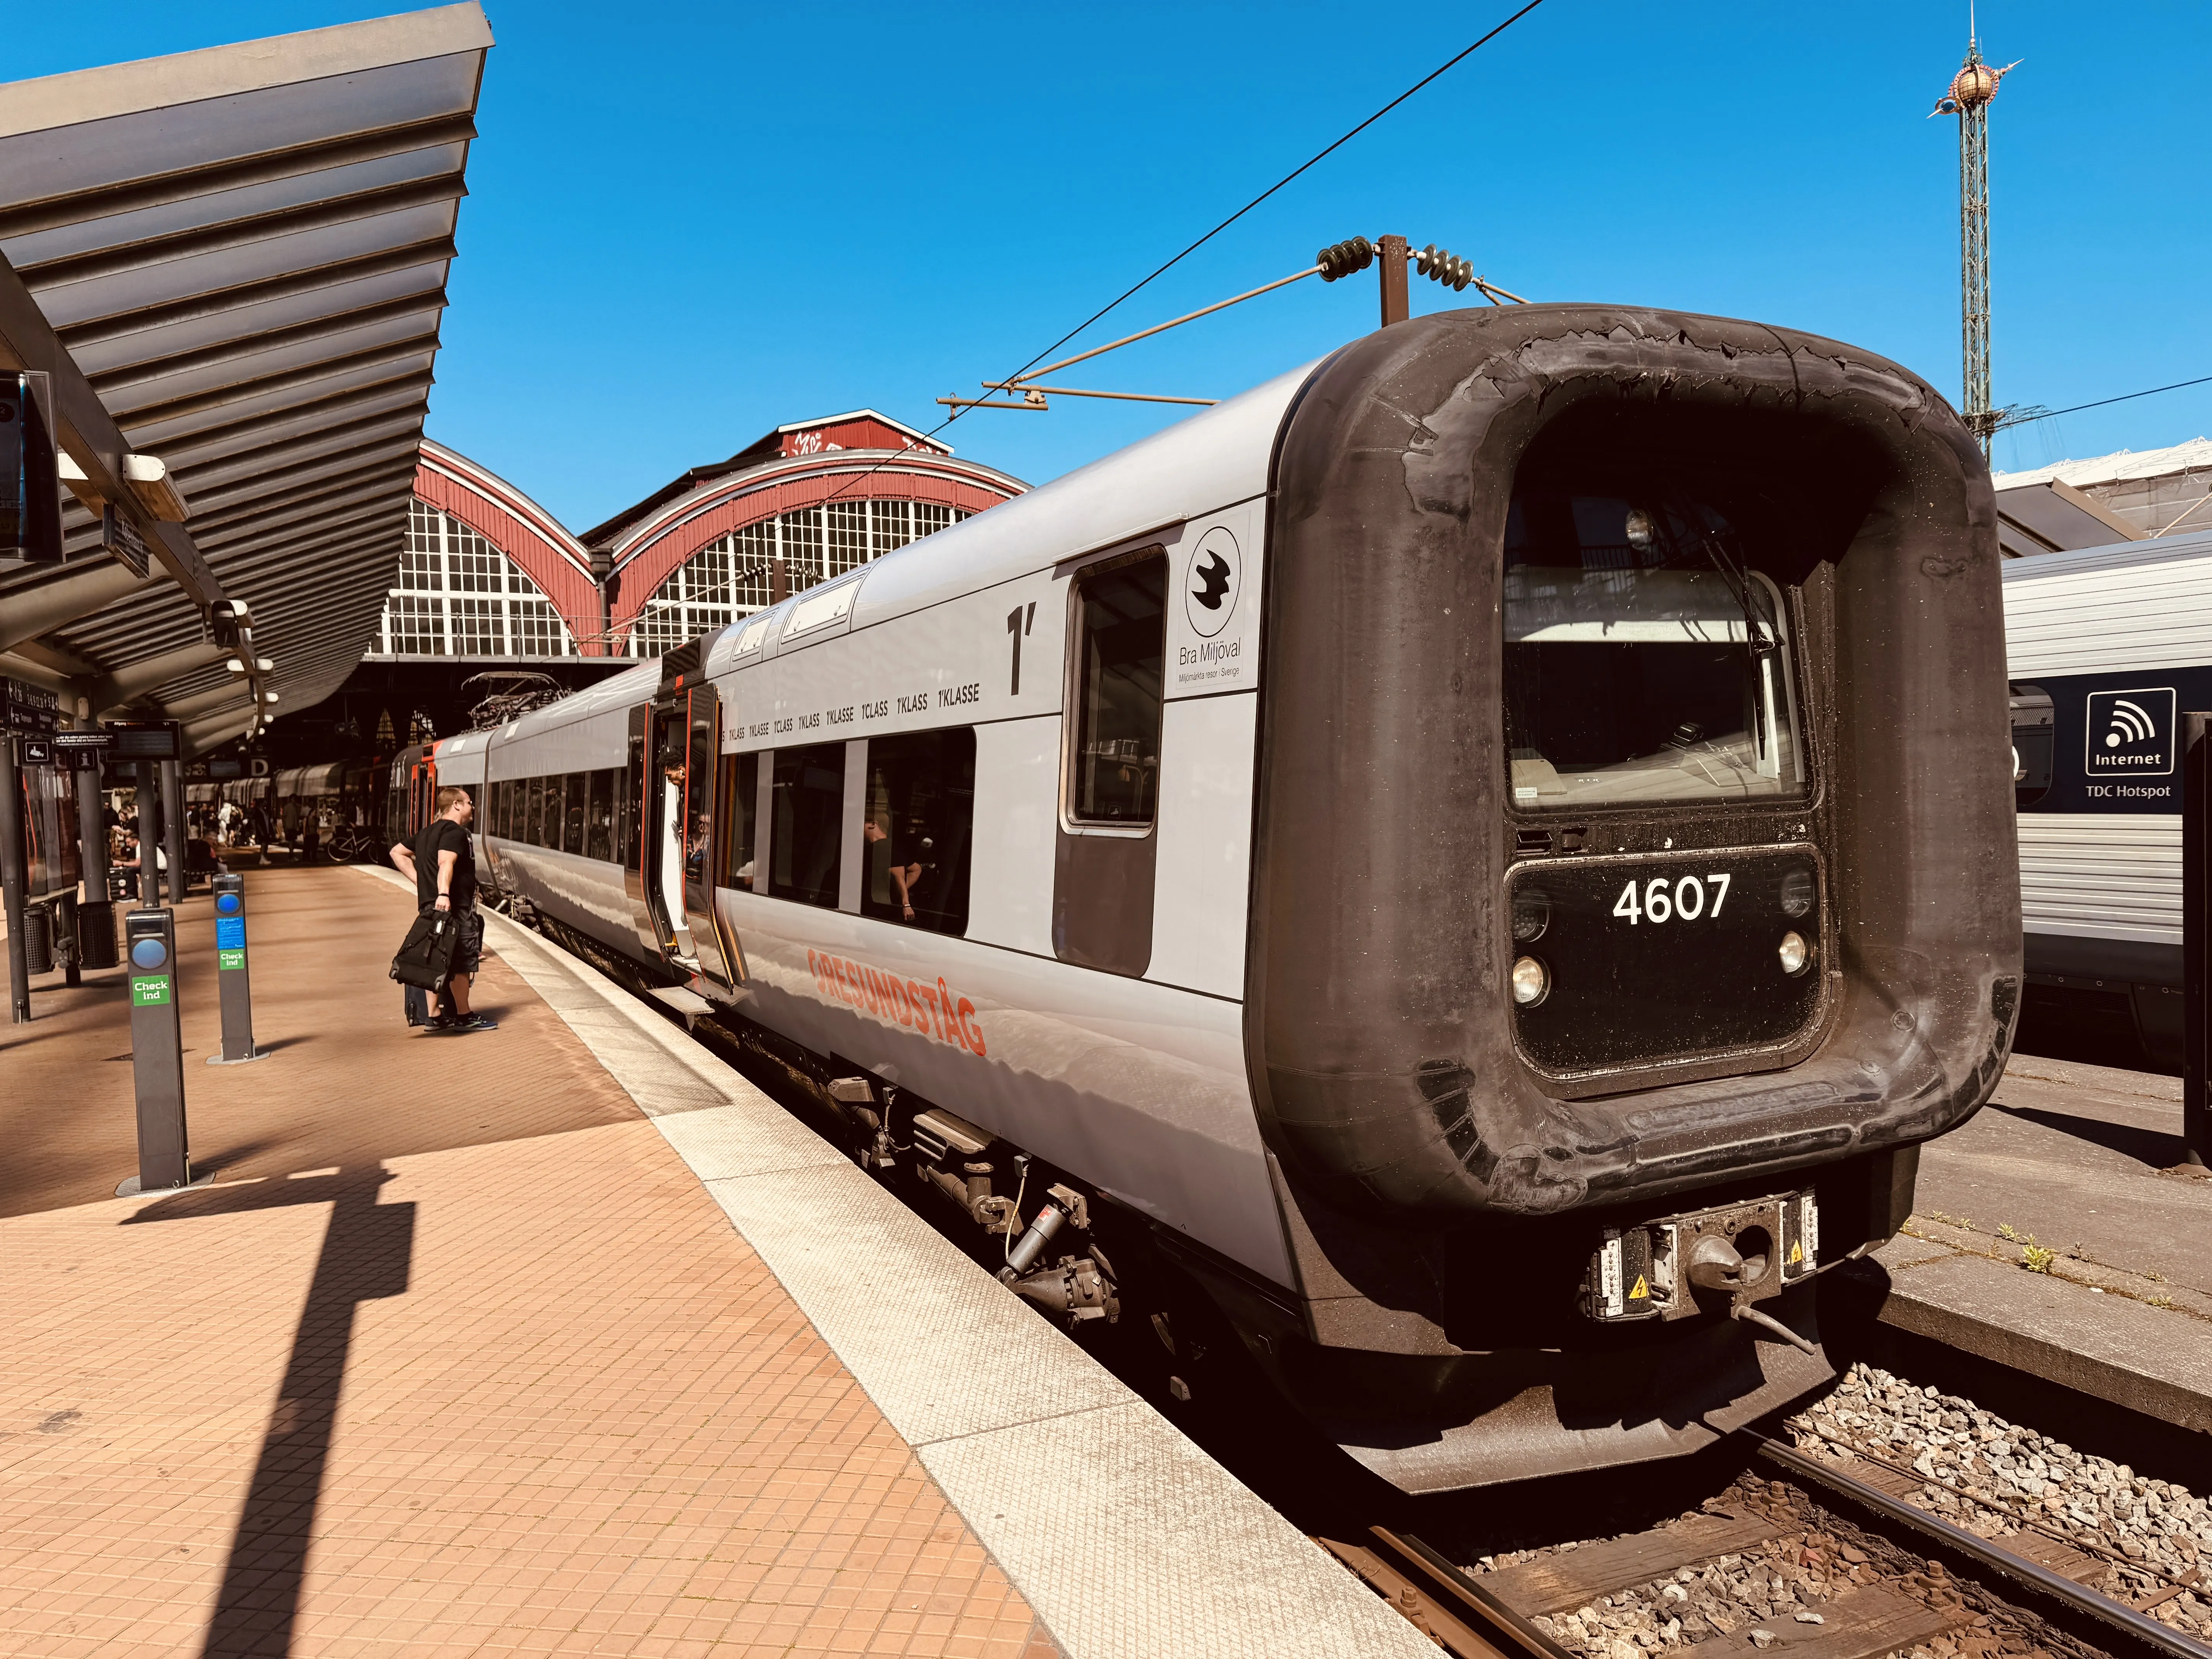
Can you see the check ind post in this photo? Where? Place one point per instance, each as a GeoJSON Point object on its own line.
{"type": "Point", "coordinates": [233, 982]}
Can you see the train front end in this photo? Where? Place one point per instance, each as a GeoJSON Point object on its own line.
{"type": "Point", "coordinates": [1634, 877]}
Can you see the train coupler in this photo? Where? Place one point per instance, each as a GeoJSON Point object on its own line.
{"type": "Point", "coordinates": [1733, 1255]}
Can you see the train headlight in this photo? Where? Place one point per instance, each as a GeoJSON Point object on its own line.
{"type": "Point", "coordinates": [1795, 954]}
{"type": "Point", "coordinates": [1796, 893]}
{"type": "Point", "coordinates": [1642, 532]}
{"type": "Point", "coordinates": [1532, 913]}
{"type": "Point", "coordinates": [1532, 981]}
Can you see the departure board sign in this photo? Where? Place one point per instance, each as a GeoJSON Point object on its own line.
{"type": "Point", "coordinates": [152, 740]}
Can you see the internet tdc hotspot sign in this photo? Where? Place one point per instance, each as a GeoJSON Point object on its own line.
{"type": "Point", "coordinates": [2130, 733]}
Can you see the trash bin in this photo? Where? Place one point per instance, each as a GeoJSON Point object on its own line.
{"type": "Point", "coordinates": [38, 939]}
{"type": "Point", "coordinates": [95, 934]}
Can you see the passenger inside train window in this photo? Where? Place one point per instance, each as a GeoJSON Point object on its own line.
{"type": "Point", "coordinates": [1121, 614]}
{"type": "Point", "coordinates": [806, 839]}
{"type": "Point", "coordinates": [1646, 659]}
{"type": "Point", "coordinates": [920, 815]}
{"type": "Point", "coordinates": [600, 817]}
{"type": "Point", "coordinates": [572, 835]}
{"type": "Point", "coordinates": [534, 827]}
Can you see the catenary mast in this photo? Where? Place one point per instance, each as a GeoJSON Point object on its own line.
{"type": "Point", "coordinates": [1971, 93]}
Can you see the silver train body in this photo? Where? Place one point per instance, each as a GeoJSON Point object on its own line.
{"type": "Point", "coordinates": [2106, 647]}
{"type": "Point", "coordinates": [1223, 946]}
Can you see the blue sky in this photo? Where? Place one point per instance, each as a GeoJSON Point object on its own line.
{"type": "Point", "coordinates": [689, 223]}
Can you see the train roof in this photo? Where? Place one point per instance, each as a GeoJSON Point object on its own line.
{"type": "Point", "coordinates": [2142, 604]}
{"type": "Point", "coordinates": [1212, 460]}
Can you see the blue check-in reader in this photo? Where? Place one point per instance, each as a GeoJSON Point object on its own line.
{"type": "Point", "coordinates": [233, 982]}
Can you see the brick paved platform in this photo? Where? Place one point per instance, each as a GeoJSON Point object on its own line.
{"type": "Point", "coordinates": [457, 1356]}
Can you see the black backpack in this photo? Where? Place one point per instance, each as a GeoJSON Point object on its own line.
{"type": "Point", "coordinates": [425, 958]}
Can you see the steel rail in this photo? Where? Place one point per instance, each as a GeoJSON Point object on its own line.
{"type": "Point", "coordinates": [2056, 1586]}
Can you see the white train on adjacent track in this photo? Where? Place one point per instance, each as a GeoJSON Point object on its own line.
{"type": "Point", "coordinates": [1477, 861]}
{"type": "Point", "coordinates": [2108, 648]}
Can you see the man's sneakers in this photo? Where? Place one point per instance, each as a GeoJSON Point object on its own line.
{"type": "Point", "coordinates": [449, 1025]}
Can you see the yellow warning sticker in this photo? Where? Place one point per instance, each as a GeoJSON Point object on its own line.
{"type": "Point", "coordinates": [1640, 1292]}
{"type": "Point", "coordinates": [1796, 1253]}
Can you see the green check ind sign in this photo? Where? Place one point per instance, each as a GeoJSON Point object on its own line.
{"type": "Point", "coordinates": [149, 990]}
{"type": "Point", "coordinates": [230, 958]}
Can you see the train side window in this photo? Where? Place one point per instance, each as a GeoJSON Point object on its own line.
{"type": "Point", "coordinates": [741, 811]}
{"type": "Point", "coordinates": [572, 835]}
{"type": "Point", "coordinates": [600, 831]}
{"type": "Point", "coordinates": [1121, 634]}
{"type": "Point", "coordinates": [631, 816]}
{"type": "Point", "coordinates": [2033, 752]}
{"type": "Point", "coordinates": [920, 817]}
{"type": "Point", "coordinates": [806, 838]}
{"type": "Point", "coordinates": [536, 828]}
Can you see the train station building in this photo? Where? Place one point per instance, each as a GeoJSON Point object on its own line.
{"type": "Point", "coordinates": [489, 581]}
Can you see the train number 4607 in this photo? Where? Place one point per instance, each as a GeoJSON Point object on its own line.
{"type": "Point", "coordinates": [1680, 900]}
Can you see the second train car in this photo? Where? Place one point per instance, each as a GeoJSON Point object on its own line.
{"type": "Point", "coordinates": [1487, 853]}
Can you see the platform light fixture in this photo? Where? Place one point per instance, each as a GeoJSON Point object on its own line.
{"type": "Point", "coordinates": [237, 665]}
{"type": "Point", "coordinates": [149, 480]}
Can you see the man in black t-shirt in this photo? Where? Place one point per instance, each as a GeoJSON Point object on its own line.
{"type": "Point", "coordinates": [443, 862]}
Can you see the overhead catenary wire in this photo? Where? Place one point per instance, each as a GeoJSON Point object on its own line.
{"type": "Point", "coordinates": [2125, 397]}
{"type": "Point", "coordinates": [1449, 64]}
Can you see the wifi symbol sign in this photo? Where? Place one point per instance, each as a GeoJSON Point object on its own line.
{"type": "Point", "coordinates": [2130, 724]}
{"type": "Point", "coordinates": [2131, 732]}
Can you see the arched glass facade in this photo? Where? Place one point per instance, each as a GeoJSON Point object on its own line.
{"type": "Point", "coordinates": [459, 596]}
{"type": "Point", "coordinates": [729, 577]}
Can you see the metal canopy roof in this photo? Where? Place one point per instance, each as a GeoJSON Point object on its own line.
{"type": "Point", "coordinates": [233, 260]}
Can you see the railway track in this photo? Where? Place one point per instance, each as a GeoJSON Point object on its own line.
{"type": "Point", "coordinates": [2034, 1592]}
{"type": "Point", "coordinates": [1898, 1577]}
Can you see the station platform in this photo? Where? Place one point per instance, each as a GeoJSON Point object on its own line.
{"type": "Point", "coordinates": [560, 1338]}
{"type": "Point", "coordinates": [2058, 1234]}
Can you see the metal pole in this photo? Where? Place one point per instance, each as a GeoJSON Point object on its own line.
{"type": "Point", "coordinates": [173, 828]}
{"type": "Point", "coordinates": [1391, 256]}
{"type": "Point", "coordinates": [2196, 939]}
{"type": "Point", "coordinates": [96, 911]}
{"type": "Point", "coordinates": [149, 825]}
{"type": "Point", "coordinates": [12, 878]}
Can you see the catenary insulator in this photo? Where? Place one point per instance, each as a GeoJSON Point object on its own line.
{"type": "Point", "coordinates": [1342, 258]}
{"type": "Point", "coordinates": [1442, 265]}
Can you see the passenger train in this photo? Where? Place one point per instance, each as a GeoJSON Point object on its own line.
{"type": "Point", "coordinates": [2109, 648]}
{"type": "Point", "coordinates": [1487, 854]}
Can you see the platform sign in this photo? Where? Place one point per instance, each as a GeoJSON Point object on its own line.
{"type": "Point", "coordinates": [82, 750]}
{"type": "Point", "coordinates": [120, 540]}
{"type": "Point", "coordinates": [33, 710]}
{"type": "Point", "coordinates": [36, 752]}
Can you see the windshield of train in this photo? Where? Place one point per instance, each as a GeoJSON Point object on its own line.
{"type": "Point", "coordinates": [1644, 661]}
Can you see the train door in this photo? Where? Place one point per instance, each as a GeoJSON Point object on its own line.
{"type": "Point", "coordinates": [679, 801]}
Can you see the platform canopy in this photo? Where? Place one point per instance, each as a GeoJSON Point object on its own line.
{"type": "Point", "coordinates": [233, 262]}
